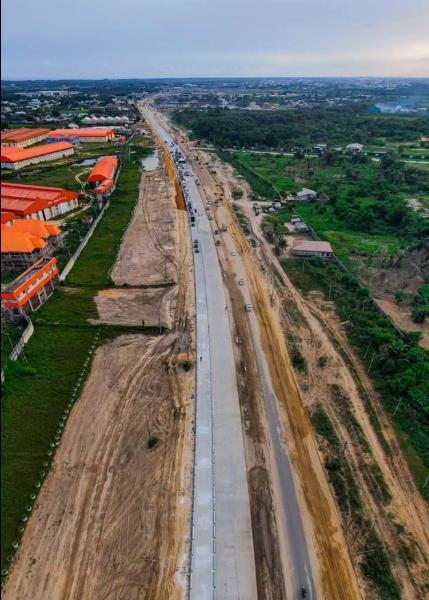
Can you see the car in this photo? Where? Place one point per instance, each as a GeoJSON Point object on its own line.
{"type": "Point", "coordinates": [211, 218]}
{"type": "Point", "coordinates": [233, 253]}
{"type": "Point", "coordinates": [216, 232]}
{"type": "Point", "coordinates": [217, 242]}
{"type": "Point", "coordinates": [196, 249]}
{"type": "Point", "coordinates": [241, 282]}
{"type": "Point", "coordinates": [248, 307]}
{"type": "Point", "coordinates": [303, 592]}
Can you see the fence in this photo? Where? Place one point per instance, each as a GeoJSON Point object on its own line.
{"type": "Point", "coordinates": [26, 335]}
{"type": "Point", "coordinates": [70, 264]}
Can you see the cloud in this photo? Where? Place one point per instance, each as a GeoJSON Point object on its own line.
{"type": "Point", "coordinates": [142, 38]}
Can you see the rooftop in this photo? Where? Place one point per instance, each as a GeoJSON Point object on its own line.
{"type": "Point", "coordinates": [18, 154]}
{"type": "Point", "coordinates": [16, 241]}
{"type": "Point", "coordinates": [22, 134]}
{"type": "Point", "coordinates": [312, 246]}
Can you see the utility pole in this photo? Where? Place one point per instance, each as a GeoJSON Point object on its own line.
{"type": "Point", "coordinates": [370, 363]}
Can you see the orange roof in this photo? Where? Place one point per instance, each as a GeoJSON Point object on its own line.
{"type": "Point", "coordinates": [17, 154]}
{"type": "Point", "coordinates": [84, 132]}
{"type": "Point", "coordinates": [14, 241]}
{"type": "Point", "coordinates": [7, 216]}
{"type": "Point", "coordinates": [104, 169]}
{"type": "Point", "coordinates": [104, 186]}
{"type": "Point", "coordinates": [20, 191]}
{"type": "Point", "coordinates": [35, 227]}
{"type": "Point", "coordinates": [22, 134]}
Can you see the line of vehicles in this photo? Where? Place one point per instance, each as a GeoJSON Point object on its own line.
{"type": "Point", "coordinates": [183, 172]}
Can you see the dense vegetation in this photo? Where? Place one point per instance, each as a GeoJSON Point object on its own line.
{"type": "Point", "coordinates": [299, 127]}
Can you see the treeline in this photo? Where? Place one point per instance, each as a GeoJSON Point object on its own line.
{"type": "Point", "coordinates": [299, 127]}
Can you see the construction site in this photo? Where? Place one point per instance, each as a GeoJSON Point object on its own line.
{"type": "Point", "coordinates": [115, 517]}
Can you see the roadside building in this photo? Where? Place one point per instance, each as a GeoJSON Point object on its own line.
{"type": "Point", "coordinates": [32, 288]}
{"type": "Point", "coordinates": [20, 138]}
{"type": "Point", "coordinates": [306, 195]}
{"type": "Point", "coordinates": [312, 248]}
{"type": "Point", "coordinates": [83, 135]}
{"type": "Point", "coordinates": [103, 171]}
{"type": "Point", "coordinates": [17, 158]}
{"type": "Point", "coordinates": [36, 201]}
{"type": "Point", "coordinates": [354, 148]}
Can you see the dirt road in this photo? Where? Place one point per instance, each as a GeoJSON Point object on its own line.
{"type": "Point", "coordinates": [113, 517]}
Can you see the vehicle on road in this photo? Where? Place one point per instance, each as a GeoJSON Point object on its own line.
{"type": "Point", "coordinates": [303, 592]}
{"type": "Point", "coordinates": [196, 249]}
{"type": "Point", "coordinates": [217, 242]}
{"type": "Point", "coordinates": [211, 218]}
{"type": "Point", "coordinates": [233, 253]}
{"type": "Point", "coordinates": [248, 307]}
{"type": "Point", "coordinates": [241, 282]}
{"type": "Point", "coordinates": [216, 231]}
{"type": "Point", "coordinates": [224, 227]}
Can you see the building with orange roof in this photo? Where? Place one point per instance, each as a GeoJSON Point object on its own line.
{"type": "Point", "coordinates": [104, 170]}
{"type": "Point", "coordinates": [48, 232]}
{"type": "Point", "coordinates": [20, 250]}
{"type": "Point", "coordinates": [20, 138]}
{"type": "Point", "coordinates": [17, 158]}
{"type": "Point", "coordinates": [36, 201]}
{"type": "Point", "coordinates": [84, 134]}
{"type": "Point", "coordinates": [32, 288]}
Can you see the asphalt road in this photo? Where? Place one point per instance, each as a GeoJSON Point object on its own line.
{"type": "Point", "coordinates": [222, 560]}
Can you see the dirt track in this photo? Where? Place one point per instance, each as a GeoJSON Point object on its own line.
{"type": "Point", "coordinates": [112, 518]}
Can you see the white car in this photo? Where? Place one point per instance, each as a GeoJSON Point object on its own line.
{"type": "Point", "coordinates": [233, 253]}
{"type": "Point", "coordinates": [241, 282]}
{"type": "Point", "coordinates": [248, 307]}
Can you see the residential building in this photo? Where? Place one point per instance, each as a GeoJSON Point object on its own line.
{"type": "Point", "coordinates": [306, 195]}
{"type": "Point", "coordinates": [312, 248]}
{"type": "Point", "coordinates": [32, 288]}
{"type": "Point", "coordinates": [89, 134]}
{"type": "Point", "coordinates": [36, 201]}
{"type": "Point", "coordinates": [20, 138]}
{"type": "Point", "coordinates": [17, 158]}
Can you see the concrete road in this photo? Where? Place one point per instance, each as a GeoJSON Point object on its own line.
{"type": "Point", "coordinates": [222, 561]}
{"type": "Point", "coordinates": [298, 567]}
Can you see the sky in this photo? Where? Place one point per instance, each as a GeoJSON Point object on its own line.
{"type": "Point", "coordinates": [58, 39]}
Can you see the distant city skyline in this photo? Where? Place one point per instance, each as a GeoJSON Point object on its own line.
{"type": "Point", "coordinates": [44, 39]}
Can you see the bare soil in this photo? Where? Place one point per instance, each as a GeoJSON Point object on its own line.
{"type": "Point", "coordinates": [134, 306]}
{"type": "Point", "coordinates": [401, 315]}
{"type": "Point", "coordinates": [147, 253]}
{"type": "Point", "coordinates": [109, 520]}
